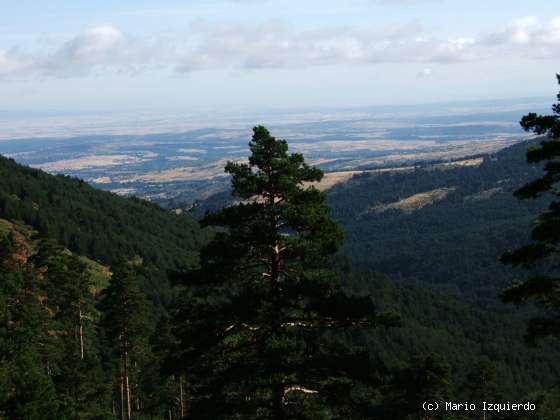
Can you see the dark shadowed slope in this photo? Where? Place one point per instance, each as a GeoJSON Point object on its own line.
{"type": "Point", "coordinates": [440, 224]}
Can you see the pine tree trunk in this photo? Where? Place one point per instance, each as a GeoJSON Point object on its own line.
{"type": "Point", "coordinates": [81, 333]}
{"type": "Point", "coordinates": [181, 402]}
{"type": "Point", "coordinates": [122, 397]}
{"type": "Point", "coordinates": [127, 386]}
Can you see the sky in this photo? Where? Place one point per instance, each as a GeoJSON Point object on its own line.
{"type": "Point", "coordinates": [197, 55]}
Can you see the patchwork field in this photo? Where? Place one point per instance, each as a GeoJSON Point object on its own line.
{"type": "Point", "coordinates": [184, 161]}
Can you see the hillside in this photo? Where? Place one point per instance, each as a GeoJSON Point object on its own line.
{"type": "Point", "coordinates": [442, 224]}
{"type": "Point", "coordinates": [446, 225]}
{"type": "Point", "coordinates": [432, 322]}
{"type": "Point", "coordinates": [435, 322]}
{"type": "Point", "coordinates": [98, 224]}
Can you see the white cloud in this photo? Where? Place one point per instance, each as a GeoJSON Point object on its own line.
{"type": "Point", "coordinates": [100, 46]}
{"type": "Point", "coordinates": [11, 64]}
{"type": "Point", "coordinates": [275, 45]}
{"type": "Point", "coordinates": [517, 32]}
{"type": "Point", "coordinates": [529, 37]}
{"type": "Point", "coordinates": [94, 44]}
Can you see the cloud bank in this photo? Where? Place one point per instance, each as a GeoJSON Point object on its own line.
{"type": "Point", "coordinates": [274, 45]}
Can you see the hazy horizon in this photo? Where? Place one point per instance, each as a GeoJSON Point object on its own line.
{"type": "Point", "coordinates": [251, 54]}
{"type": "Point", "coordinates": [59, 124]}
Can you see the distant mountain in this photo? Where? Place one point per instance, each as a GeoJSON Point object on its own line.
{"type": "Point", "coordinates": [98, 224]}
{"type": "Point", "coordinates": [445, 223]}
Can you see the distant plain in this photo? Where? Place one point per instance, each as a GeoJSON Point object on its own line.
{"type": "Point", "coordinates": [176, 158]}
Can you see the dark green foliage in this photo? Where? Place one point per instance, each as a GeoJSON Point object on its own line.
{"type": "Point", "coordinates": [542, 254]}
{"type": "Point", "coordinates": [252, 319]}
{"type": "Point", "coordinates": [100, 225]}
{"type": "Point", "coordinates": [482, 382]}
{"type": "Point", "coordinates": [424, 379]}
{"type": "Point", "coordinates": [63, 348]}
{"type": "Point", "coordinates": [465, 336]}
{"type": "Point", "coordinates": [28, 390]}
{"type": "Point", "coordinates": [547, 405]}
{"type": "Point", "coordinates": [128, 327]}
{"type": "Point", "coordinates": [455, 242]}
{"type": "Point", "coordinates": [43, 373]}
{"type": "Point", "coordinates": [167, 385]}
{"type": "Point", "coordinates": [76, 366]}
{"type": "Point", "coordinates": [265, 321]}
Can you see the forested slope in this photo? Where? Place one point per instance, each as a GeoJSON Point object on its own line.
{"type": "Point", "coordinates": [432, 323]}
{"type": "Point", "coordinates": [98, 224]}
{"type": "Point", "coordinates": [466, 336]}
{"type": "Point", "coordinates": [440, 224]}
{"type": "Point", "coordinates": [451, 243]}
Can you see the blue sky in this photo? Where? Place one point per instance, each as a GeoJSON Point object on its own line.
{"type": "Point", "coordinates": [255, 54]}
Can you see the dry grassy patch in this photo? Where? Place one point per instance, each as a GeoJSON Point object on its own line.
{"type": "Point", "coordinates": [416, 201]}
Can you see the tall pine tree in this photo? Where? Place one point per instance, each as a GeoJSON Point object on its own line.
{"type": "Point", "coordinates": [256, 322]}
{"type": "Point", "coordinates": [542, 254]}
{"type": "Point", "coordinates": [126, 323]}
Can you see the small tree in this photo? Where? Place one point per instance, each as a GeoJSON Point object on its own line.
{"type": "Point", "coordinates": [252, 320]}
{"type": "Point", "coordinates": [543, 252]}
{"type": "Point", "coordinates": [125, 319]}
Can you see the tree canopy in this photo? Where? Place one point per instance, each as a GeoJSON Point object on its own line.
{"type": "Point", "coordinates": [252, 320]}
{"type": "Point", "coordinates": [542, 254]}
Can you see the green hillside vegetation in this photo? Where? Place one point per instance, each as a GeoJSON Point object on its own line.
{"type": "Point", "coordinates": [5, 227]}
{"type": "Point", "coordinates": [253, 323]}
{"type": "Point", "coordinates": [434, 322]}
{"type": "Point", "coordinates": [47, 319]}
{"type": "Point", "coordinates": [61, 333]}
{"type": "Point", "coordinates": [453, 239]}
{"type": "Point", "coordinates": [99, 274]}
{"type": "Point", "coordinates": [100, 225]}
{"type": "Point", "coordinates": [83, 322]}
